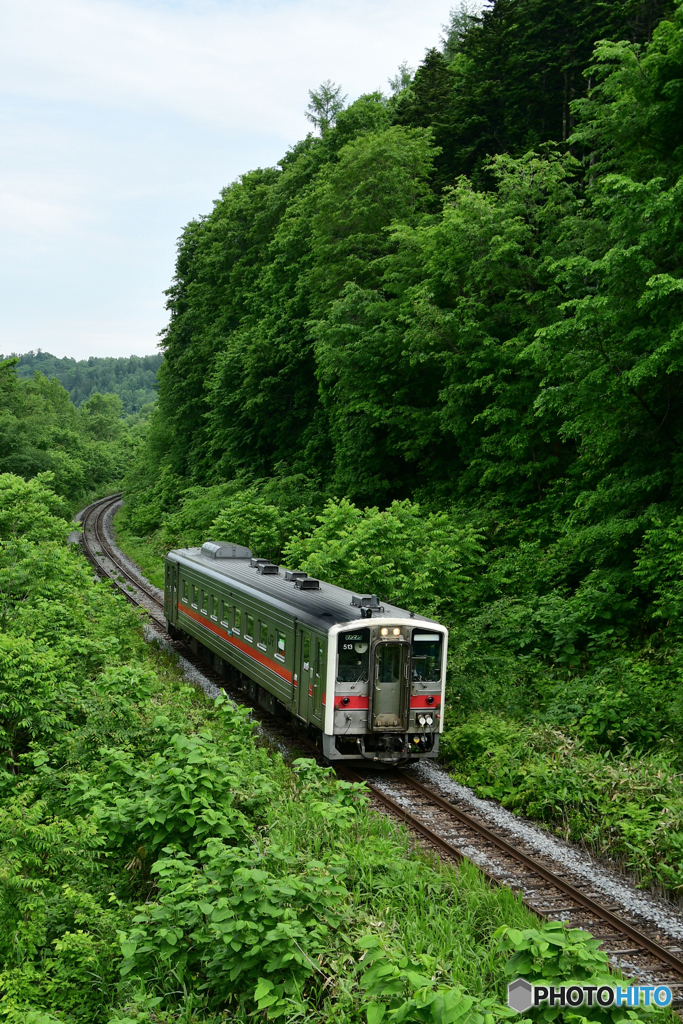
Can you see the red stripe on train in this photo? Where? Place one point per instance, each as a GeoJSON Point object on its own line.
{"type": "Point", "coordinates": [421, 701]}
{"type": "Point", "coordinates": [352, 703]}
{"type": "Point", "coordinates": [263, 659]}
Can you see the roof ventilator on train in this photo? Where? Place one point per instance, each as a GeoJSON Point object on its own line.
{"type": "Point", "coordinates": [309, 583]}
{"type": "Point", "coordinates": [301, 580]}
{"type": "Point", "coordinates": [265, 566]}
{"type": "Point", "coordinates": [368, 603]}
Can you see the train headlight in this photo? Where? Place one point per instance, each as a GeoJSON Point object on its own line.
{"type": "Point", "coordinates": [396, 632]}
{"type": "Point", "coordinates": [385, 631]}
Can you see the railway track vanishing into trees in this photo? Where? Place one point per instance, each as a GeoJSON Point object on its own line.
{"type": "Point", "coordinates": [640, 949]}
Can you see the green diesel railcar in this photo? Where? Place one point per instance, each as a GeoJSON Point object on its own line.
{"type": "Point", "coordinates": [368, 679]}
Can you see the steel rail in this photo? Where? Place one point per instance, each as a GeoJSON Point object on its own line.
{"type": "Point", "coordinates": [121, 570]}
{"type": "Point", "coordinates": [605, 915]}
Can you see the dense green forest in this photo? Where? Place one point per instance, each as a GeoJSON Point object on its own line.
{"type": "Point", "coordinates": [85, 450]}
{"type": "Point", "coordinates": [133, 378]}
{"type": "Point", "coordinates": [437, 353]}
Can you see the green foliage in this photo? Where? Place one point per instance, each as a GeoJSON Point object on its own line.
{"type": "Point", "coordinates": [185, 792]}
{"type": "Point", "coordinates": [455, 320]}
{"type": "Point", "coordinates": [31, 509]}
{"type": "Point", "coordinates": [247, 518]}
{"type": "Point", "coordinates": [262, 515]}
{"type": "Point", "coordinates": [35, 697]}
{"type": "Point", "coordinates": [411, 990]}
{"type": "Point", "coordinates": [508, 77]}
{"type": "Point", "coordinates": [554, 953]}
{"type": "Point", "coordinates": [256, 932]}
{"type": "Point", "coordinates": [407, 991]}
{"type": "Point", "coordinates": [41, 431]}
{"type": "Point", "coordinates": [413, 559]}
{"type": "Point", "coordinates": [325, 105]}
{"type": "Point", "coordinates": [659, 568]}
{"type": "Point", "coordinates": [628, 806]}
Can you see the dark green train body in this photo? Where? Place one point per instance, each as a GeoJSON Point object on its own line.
{"type": "Point", "coordinates": [367, 679]}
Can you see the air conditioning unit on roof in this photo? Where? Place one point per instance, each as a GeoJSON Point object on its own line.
{"type": "Point", "coordinates": [217, 549]}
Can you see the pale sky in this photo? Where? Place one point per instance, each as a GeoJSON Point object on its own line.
{"type": "Point", "coordinates": [121, 120]}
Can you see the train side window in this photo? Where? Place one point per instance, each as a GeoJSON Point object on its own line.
{"type": "Point", "coordinates": [184, 593]}
{"type": "Point", "coordinates": [213, 608]}
{"type": "Point", "coordinates": [263, 636]}
{"type": "Point", "coordinates": [225, 615]}
{"type": "Point", "coordinates": [194, 596]}
{"type": "Point", "coordinates": [237, 627]}
{"type": "Point", "coordinates": [307, 653]}
{"type": "Point", "coordinates": [320, 658]}
{"type": "Point", "coordinates": [205, 601]}
{"type": "Point", "coordinates": [249, 634]}
{"type": "Point", "coordinates": [281, 645]}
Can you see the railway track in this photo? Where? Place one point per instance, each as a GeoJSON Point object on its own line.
{"type": "Point", "coordinates": [643, 951]}
{"type": "Point", "coordinates": [108, 563]}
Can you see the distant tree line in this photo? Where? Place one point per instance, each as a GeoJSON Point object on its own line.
{"type": "Point", "coordinates": [132, 378]}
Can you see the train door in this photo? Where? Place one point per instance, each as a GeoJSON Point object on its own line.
{"type": "Point", "coordinates": [171, 586]}
{"type": "Point", "coordinates": [391, 686]}
{"type": "Point", "coordinates": [306, 667]}
{"type": "Point", "coordinates": [318, 679]}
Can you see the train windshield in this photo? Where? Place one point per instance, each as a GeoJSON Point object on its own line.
{"type": "Point", "coordinates": [353, 655]}
{"type": "Point", "coordinates": [427, 657]}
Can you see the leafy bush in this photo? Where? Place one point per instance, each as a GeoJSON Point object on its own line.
{"type": "Point", "coordinates": [31, 509]}
{"type": "Point", "coordinates": [247, 518]}
{"type": "Point", "coordinates": [409, 991]}
{"type": "Point", "coordinates": [254, 928]}
{"type": "Point", "coordinates": [420, 560]}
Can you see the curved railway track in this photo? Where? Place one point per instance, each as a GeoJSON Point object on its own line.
{"type": "Point", "coordinates": [108, 563]}
{"type": "Point", "coordinates": [636, 946]}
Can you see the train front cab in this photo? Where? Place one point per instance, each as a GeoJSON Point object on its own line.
{"type": "Point", "coordinates": [385, 691]}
